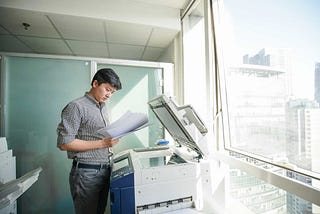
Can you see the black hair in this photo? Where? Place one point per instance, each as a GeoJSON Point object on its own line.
{"type": "Point", "coordinates": [107, 75]}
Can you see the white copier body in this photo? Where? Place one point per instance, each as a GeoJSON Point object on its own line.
{"type": "Point", "coordinates": [163, 178]}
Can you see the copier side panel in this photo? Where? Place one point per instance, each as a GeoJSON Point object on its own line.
{"type": "Point", "coordinates": [156, 184]}
{"type": "Point", "coordinates": [165, 191]}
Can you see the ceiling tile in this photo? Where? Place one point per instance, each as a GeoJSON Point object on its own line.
{"type": "Point", "coordinates": [9, 43]}
{"type": "Point", "coordinates": [84, 36]}
{"type": "Point", "coordinates": [94, 49]}
{"type": "Point", "coordinates": [152, 54]}
{"type": "Point", "coordinates": [180, 4]}
{"type": "Point", "coordinates": [46, 46]}
{"type": "Point", "coordinates": [127, 33]}
{"type": "Point", "coordinates": [79, 28]}
{"type": "Point", "coordinates": [12, 19]}
{"type": "Point", "coordinates": [125, 51]}
{"type": "Point", "coordinates": [161, 37]}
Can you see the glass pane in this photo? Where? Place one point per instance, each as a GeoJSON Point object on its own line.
{"type": "Point", "coordinates": [257, 196]}
{"type": "Point", "coordinates": [139, 85]}
{"type": "Point", "coordinates": [194, 59]}
{"type": "Point", "coordinates": [261, 197]}
{"type": "Point", "coordinates": [270, 72]}
{"type": "Point", "coordinates": [36, 91]}
{"type": "Point", "coordinates": [271, 78]}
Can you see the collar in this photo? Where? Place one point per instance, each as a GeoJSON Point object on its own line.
{"type": "Point", "coordinates": [91, 99]}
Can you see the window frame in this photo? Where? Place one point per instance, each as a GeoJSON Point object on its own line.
{"type": "Point", "coordinates": [252, 164]}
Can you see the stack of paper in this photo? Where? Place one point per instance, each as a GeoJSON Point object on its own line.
{"type": "Point", "coordinates": [126, 124]}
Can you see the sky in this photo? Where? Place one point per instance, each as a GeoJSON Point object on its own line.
{"type": "Point", "coordinates": [251, 25]}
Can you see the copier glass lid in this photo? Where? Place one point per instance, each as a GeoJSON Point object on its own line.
{"type": "Point", "coordinates": [177, 121]}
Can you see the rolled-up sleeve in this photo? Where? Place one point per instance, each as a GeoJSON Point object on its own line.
{"type": "Point", "coordinates": [68, 127]}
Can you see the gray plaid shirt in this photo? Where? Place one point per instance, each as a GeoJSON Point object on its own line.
{"type": "Point", "coordinates": [81, 119]}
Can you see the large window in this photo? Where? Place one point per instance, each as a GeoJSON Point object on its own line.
{"type": "Point", "coordinates": [269, 69]}
{"type": "Point", "coordinates": [271, 78]}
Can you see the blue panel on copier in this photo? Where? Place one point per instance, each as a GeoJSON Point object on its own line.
{"type": "Point", "coordinates": [122, 200]}
{"type": "Point", "coordinates": [127, 200]}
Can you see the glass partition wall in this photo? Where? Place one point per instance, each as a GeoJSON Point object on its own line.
{"type": "Point", "coordinates": [140, 84]}
{"type": "Point", "coordinates": [35, 89]}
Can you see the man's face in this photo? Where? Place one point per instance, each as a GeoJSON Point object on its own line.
{"type": "Point", "coordinates": [102, 92]}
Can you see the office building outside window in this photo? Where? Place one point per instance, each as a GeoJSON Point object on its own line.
{"type": "Point", "coordinates": [270, 90]}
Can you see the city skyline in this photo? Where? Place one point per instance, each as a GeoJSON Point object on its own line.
{"type": "Point", "coordinates": [285, 24]}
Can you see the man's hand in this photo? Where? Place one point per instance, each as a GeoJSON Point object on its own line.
{"type": "Point", "coordinates": [109, 142]}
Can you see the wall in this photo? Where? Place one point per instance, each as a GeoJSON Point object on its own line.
{"type": "Point", "coordinates": [173, 54]}
{"type": "Point", "coordinates": [35, 91]}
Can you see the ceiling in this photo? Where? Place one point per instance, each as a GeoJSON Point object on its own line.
{"type": "Point", "coordinates": [122, 29]}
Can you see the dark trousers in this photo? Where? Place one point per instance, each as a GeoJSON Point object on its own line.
{"type": "Point", "coordinates": [89, 189]}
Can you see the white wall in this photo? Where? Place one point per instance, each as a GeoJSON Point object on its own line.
{"type": "Point", "coordinates": [173, 54]}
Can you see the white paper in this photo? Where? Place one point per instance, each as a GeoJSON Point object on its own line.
{"type": "Point", "coordinates": [126, 124]}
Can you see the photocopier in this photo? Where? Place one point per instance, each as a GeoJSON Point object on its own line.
{"type": "Point", "coordinates": [168, 177]}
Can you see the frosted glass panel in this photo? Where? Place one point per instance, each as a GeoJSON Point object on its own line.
{"type": "Point", "coordinates": [139, 85]}
{"type": "Point", "coordinates": [36, 91]}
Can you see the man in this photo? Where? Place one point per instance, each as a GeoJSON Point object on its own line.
{"type": "Point", "coordinates": [90, 173]}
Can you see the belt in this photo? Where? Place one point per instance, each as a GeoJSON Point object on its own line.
{"type": "Point", "coordinates": [89, 166]}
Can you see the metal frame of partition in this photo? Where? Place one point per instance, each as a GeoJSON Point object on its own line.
{"type": "Point", "coordinates": [2, 89]}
